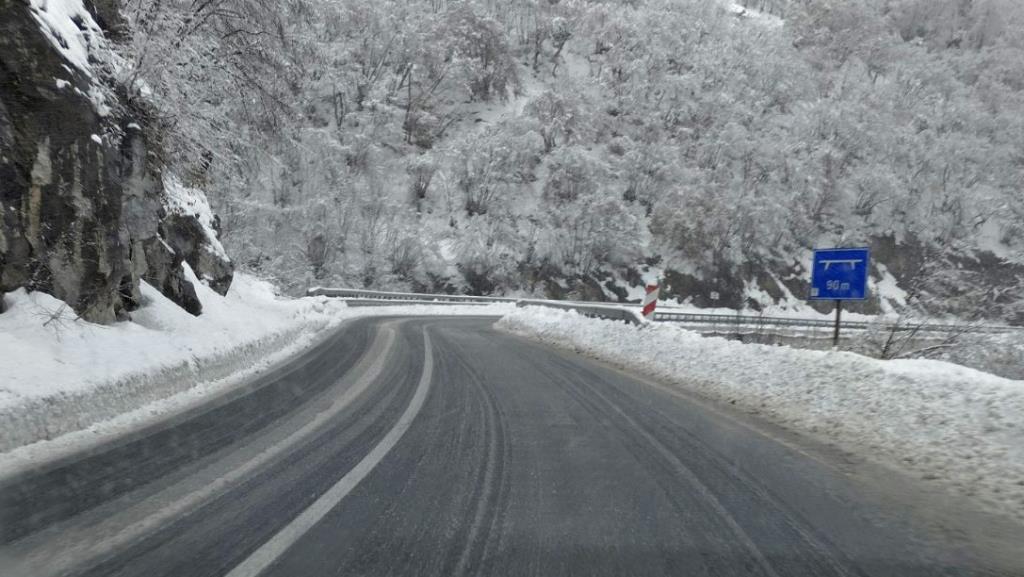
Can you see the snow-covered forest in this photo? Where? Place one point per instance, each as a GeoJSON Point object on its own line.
{"type": "Point", "coordinates": [552, 146]}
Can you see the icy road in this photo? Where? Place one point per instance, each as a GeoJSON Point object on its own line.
{"type": "Point", "coordinates": [440, 447]}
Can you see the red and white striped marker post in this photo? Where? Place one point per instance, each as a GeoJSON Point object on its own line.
{"type": "Point", "coordinates": [650, 301]}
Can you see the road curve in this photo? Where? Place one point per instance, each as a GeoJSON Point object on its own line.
{"type": "Point", "coordinates": [440, 447]}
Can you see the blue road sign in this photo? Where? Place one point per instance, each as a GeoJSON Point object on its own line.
{"type": "Point", "coordinates": [840, 274]}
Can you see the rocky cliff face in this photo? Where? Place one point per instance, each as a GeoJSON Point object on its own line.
{"type": "Point", "coordinates": [84, 210]}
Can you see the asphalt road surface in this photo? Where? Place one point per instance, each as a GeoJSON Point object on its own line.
{"type": "Point", "coordinates": [440, 447]}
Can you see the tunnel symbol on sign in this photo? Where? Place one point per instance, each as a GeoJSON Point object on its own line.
{"type": "Point", "coordinates": [850, 261]}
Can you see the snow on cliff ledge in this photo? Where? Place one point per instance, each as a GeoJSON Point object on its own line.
{"type": "Point", "coordinates": [71, 30]}
{"type": "Point", "coordinates": [75, 35]}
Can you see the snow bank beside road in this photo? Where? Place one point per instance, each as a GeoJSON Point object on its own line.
{"type": "Point", "coordinates": [60, 375]}
{"type": "Point", "coordinates": [945, 423]}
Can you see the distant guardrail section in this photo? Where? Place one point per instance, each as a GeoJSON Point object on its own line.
{"type": "Point", "coordinates": [757, 320]}
{"type": "Point", "coordinates": [410, 297]}
{"type": "Point", "coordinates": [630, 313]}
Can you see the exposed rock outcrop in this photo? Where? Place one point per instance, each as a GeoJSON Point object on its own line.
{"type": "Point", "coordinates": [84, 214]}
{"type": "Point", "coordinates": [191, 229]}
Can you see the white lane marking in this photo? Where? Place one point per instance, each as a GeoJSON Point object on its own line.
{"type": "Point", "coordinates": [270, 551]}
{"type": "Point", "coordinates": [78, 548]}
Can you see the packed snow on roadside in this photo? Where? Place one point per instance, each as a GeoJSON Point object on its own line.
{"type": "Point", "coordinates": [63, 375]}
{"type": "Point", "coordinates": [945, 423]}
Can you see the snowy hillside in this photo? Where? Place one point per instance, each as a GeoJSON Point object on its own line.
{"type": "Point", "coordinates": [568, 148]}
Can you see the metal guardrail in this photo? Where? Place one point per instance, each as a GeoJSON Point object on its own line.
{"type": "Point", "coordinates": [631, 313]}
{"type": "Point", "coordinates": [363, 298]}
{"type": "Point", "coordinates": [751, 320]}
{"type": "Point", "coordinates": [419, 297]}
{"type": "Point", "coordinates": [769, 321]}
{"type": "Point", "coordinates": [396, 303]}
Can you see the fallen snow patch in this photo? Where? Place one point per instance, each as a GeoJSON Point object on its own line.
{"type": "Point", "coordinates": [891, 298]}
{"type": "Point", "coordinates": [990, 238]}
{"type": "Point", "coordinates": [753, 292]}
{"type": "Point", "coordinates": [754, 15]}
{"type": "Point", "coordinates": [945, 423]}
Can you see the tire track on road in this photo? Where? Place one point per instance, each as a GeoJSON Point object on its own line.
{"type": "Point", "coordinates": [584, 386]}
{"type": "Point", "coordinates": [491, 491]}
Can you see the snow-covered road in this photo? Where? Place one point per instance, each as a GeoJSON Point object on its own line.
{"type": "Point", "coordinates": [948, 425]}
{"type": "Point", "coordinates": [437, 446]}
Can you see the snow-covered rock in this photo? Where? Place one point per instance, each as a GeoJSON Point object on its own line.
{"type": "Point", "coordinates": [84, 214]}
{"type": "Point", "coordinates": [192, 231]}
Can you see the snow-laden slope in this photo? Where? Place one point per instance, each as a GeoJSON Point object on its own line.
{"type": "Point", "coordinates": [948, 424]}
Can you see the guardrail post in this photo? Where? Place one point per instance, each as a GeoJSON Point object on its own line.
{"type": "Point", "coordinates": [650, 301]}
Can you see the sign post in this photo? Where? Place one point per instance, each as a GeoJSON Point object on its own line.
{"type": "Point", "coordinates": [840, 274]}
{"type": "Point", "coordinates": [835, 332]}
